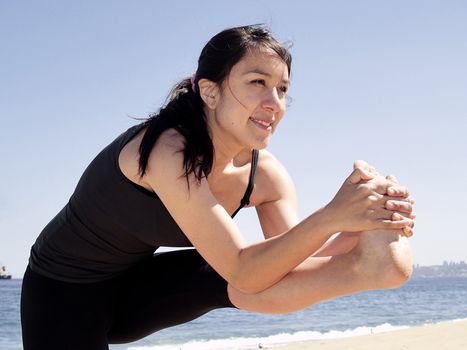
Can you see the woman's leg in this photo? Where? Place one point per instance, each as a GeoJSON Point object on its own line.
{"type": "Point", "coordinates": [163, 291]}
{"type": "Point", "coordinates": [57, 315]}
{"type": "Point", "coordinates": [166, 290]}
{"type": "Point", "coordinates": [380, 260]}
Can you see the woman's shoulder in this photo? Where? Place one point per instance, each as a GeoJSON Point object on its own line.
{"type": "Point", "coordinates": [170, 139]}
{"type": "Point", "coordinates": [269, 165]}
{"type": "Point", "coordinates": [167, 152]}
{"type": "Point", "coordinates": [273, 180]}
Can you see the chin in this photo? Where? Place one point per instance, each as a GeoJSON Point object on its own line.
{"type": "Point", "coordinates": [261, 144]}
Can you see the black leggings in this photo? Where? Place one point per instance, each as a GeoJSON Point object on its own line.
{"type": "Point", "coordinates": [166, 290]}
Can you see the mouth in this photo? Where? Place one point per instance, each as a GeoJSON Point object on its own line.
{"type": "Point", "coordinates": [263, 124]}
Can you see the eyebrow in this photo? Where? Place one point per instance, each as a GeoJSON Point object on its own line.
{"type": "Point", "coordinates": [259, 71]}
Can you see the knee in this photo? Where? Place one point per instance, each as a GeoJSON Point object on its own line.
{"type": "Point", "coordinates": [262, 302]}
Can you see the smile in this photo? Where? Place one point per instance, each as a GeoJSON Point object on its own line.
{"type": "Point", "coordinates": [262, 123]}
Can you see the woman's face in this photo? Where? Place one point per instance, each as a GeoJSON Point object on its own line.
{"type": "Point", "coordinates": [252, 100]}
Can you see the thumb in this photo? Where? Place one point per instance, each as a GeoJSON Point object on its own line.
{"type": "Point", "coordinates": [392, 178]}
{"type": "Point", "coordinates": [365, 166]}
{"type": "Point", "coordinates": [359, 175]}
{"type": "Point", "coordinates": [360, 164]}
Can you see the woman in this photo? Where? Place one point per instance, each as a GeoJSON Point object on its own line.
{"type": "Point", "coordinates": [175, 180]}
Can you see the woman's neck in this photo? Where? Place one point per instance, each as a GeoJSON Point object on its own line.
{"type": "Point", "coordinates": [226, 157]}
{"type": "Point", "coordinates": [225, 148]}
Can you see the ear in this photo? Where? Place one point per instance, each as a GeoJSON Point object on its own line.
{"type": "Point", "coordinates": [209, 92]}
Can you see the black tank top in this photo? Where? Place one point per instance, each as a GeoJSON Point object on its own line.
{"type": "Point", "coordinates": [109, 223]}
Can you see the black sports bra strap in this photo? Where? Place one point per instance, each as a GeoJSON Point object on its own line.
{"type": "Point", "coordinates": [251, 182]}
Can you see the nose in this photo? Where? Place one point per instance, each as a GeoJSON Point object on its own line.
{"type": "Point", "coordinates": [272, 102]}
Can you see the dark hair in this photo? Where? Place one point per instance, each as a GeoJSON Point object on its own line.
{"type": "Point", "coordinates": [184, 109]}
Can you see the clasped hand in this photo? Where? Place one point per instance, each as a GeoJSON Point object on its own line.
{"type": "Point", "coordinates": [369, 201]}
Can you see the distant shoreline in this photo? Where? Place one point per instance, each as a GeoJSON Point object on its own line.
{"type": "Point", "coordinates": [447, 269]}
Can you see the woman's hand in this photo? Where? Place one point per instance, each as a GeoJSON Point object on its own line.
{"type": "Point", "coordinates": [402, 203]}
{"type": "Point", "coordinates": [360, 204]}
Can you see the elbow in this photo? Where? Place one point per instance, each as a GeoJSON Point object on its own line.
{"type": "Point", "coordinates": [249, 276]}
{"type": "Point", "coordinates": [247, 284]}
{"type": "Point", "coordinates": [246, 288]}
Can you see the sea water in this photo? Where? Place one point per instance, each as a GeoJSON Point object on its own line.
{"type": "Point", "coordinates": [420, 301]}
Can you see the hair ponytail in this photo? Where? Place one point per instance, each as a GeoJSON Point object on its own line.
{"type": "Point", "coordinates": [184, 113]}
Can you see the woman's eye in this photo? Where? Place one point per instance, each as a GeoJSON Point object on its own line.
{"type": "Point", "coordinates": [259, 82]}
{"type": "Point", "coordinates": [283, 89]}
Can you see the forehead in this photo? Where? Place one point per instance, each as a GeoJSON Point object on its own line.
{"type": "Point", "coordinates": [262, 61]}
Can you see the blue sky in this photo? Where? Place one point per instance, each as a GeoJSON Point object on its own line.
{"type": "Point", "coordinates": [375, 80]}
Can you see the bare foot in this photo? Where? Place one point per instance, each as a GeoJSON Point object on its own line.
{"type": "Point", "coordinates": [384, 258]}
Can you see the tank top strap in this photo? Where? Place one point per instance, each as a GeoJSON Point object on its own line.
{"type": "Point", "coordinates": [251, 182]}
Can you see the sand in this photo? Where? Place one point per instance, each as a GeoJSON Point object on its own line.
{"type": "Point", "coordinates": [442, 336]}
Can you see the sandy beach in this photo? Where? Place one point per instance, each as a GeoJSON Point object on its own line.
{"type": "Point", "coordinates": [443, 336]}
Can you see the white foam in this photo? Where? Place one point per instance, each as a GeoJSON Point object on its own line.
{"type": "Point", "coordinates": [270, 341]}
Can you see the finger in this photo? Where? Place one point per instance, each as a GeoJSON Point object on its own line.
{"type": "Point", "coordinates": [395, 225]}
{"type": "Point", "coordinates": [383, 214]}
{"type": "Point", "coordinates": [397, 205]}
{"type": "Point", "coordinates": [365, 166]}
{"type": "Point", "coordinates": [398, 191]}
{"type": "Point", "coordinates": [358, 175]}
{"type": "Point", "coordinates": [399, 214]}
{"type": "Point", "coordinates": [410, 199]}
{"type": "Point", "coordinates": [360, 164]}
{"type": "Point", "coordinates": [392, 178]}
{"type": "Point", "coordinates": [381, 185]}
{"type": "Point", "coordinates": [403, 205]}
{"type": "Point", "coordinates": [399, 199]}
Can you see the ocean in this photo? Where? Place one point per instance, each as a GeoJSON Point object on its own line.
{"type": "Point", "coordinates": [420, 301]}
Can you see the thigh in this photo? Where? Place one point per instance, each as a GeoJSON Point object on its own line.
{"type": "Point", "coordinates": [169, 289]}
{"type": "Point", "coordinates": [60, 315]}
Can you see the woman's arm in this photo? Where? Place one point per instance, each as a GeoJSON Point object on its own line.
{"type": "Point", "coordinates": [277, 210]}
{"type": "Point", "coordinates": [276, 197]}
{"type": "Point", "coordinates": [214, 234]}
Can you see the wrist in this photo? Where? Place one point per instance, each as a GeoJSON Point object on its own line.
{"type": "Point", "coordinates": [326, 221]}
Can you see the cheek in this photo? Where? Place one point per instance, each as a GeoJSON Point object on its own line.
{"type": "Point", "coordinates": [280, 116]}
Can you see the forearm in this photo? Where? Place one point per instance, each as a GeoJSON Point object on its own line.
{"type": "Point", "coordinates": [262, 264]}
{"type": "Point", "coordinates": [340, 244]}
